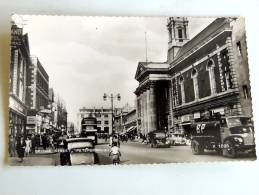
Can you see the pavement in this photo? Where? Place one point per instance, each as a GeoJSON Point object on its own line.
{"type": "Point", "coordinates": [134, 153]}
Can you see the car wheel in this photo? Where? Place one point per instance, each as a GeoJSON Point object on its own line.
{"type": "Point", "coordinates": [229, 149]}
{"type": "Point", "coordinates": [196, 148]}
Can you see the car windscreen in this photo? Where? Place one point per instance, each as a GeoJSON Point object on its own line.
{"type": "Point", "coordinates": [239, 121]}
{"type": "Point", "coordinates": [240, 129]}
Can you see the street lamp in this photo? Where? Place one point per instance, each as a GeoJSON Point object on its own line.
{"type": "Point", "coordinates": [111, 97]}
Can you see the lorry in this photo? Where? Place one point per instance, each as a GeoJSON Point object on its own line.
{"type": "Point", "coordinates": [227, 135]}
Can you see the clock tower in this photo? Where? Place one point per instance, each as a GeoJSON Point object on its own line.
{"type": "Point", "coordinates": [178, 35]}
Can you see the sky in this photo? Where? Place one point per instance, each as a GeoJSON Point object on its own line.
{"type": "Point", "coordinates": [86, 57]}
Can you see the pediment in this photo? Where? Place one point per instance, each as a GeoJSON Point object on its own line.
{"type": "Point", "coordinates": [140, 69]}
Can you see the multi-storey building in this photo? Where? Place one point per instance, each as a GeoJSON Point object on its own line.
{"type": "Point", "coordinates": [205, 75]}
{"type": "Point", "coordinates": [38, 96]}
{"type": "Point", "coordinates": [19, 72]}
{"type": "Point", "coordinates": [103, 115]}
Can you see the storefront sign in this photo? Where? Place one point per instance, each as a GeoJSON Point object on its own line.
{"type": "Point", "coordinates": [185, 118]}
{"type": "Point", "coordinates": [197, 115]}
{"type": "Point", "coordinates": [219, 110]}
{"type": "Point", "coordinates": [16, 105]}
{"type": "Point", "coordinates": [31, 119]}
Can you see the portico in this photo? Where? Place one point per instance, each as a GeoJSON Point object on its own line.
{"type": "Point", "coordinates": [152, 96]}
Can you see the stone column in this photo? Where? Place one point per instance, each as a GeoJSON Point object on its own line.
{"type": "Point", "coordinates": [152, 108]}
{"type": "Point", "coordinates": [220, 70]}
{"type": "Point", "coordinates": [232, 62]}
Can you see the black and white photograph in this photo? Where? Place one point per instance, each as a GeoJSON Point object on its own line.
{"type": "Point", "coordinates": [128, 90]}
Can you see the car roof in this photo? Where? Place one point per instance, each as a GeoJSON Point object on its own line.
{"type": "Point", "coordinates": [83, 139]}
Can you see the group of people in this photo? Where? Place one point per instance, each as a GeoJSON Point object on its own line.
{"type": "Point", "coordinates": [21, 146]}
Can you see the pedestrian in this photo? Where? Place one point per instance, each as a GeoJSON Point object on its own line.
{"type": "Point", "coordinates": [20, 147]}
{"type": "Point", "coordinates": [111, 140]}
{"type": "Point", "coordinates": [44, 141]}
{"type": "Point", "coordinates": [115, 154]}
{"type": "Point", "coordinates": [27, 146]}
{"type": "Point", "coordinates": [51, 142]}
{"type": "Point", "coordinates": [33, 144]}
{"type": "Point", "coordinates": [11, 146]}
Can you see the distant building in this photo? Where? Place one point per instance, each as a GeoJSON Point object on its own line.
{"type": "Point", "coordinates": [38, 97]}
{"type": "Point", "coordinates": [19, 72]}
{"type": "Point", "coordinates": [103, 115]}
{"type": "Point", "coordinates": [125, 118]}
{"type": "Point", "coordinates": [202, 76]}
{"type": "Point", "coordinates": [130, 121]}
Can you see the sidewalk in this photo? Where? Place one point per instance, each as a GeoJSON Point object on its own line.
{"type": "Point", "coordinates": [34, 160]}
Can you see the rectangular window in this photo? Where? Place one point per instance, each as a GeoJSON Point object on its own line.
{"type": "Point", "coordinates": [239, 49]}
{"type": "Point", "coordinates": [106, 115]}
{"type": "Point", "coordinates": [106, 122]}
{"type": "Point", "coordinates": [246, 92]}
{"type": "Point", "coordinates": [180, 35]}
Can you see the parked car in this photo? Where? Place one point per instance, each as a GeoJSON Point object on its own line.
{"type": "Point", "coordinates": [78, 151]}
{"type": "Point", "coordinates": [158, 138]}
{"type": "Point", "coordinates": [177, 139]}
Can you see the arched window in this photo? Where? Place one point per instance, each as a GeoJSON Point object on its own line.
{"type": "Point", "coordinates": [181, 82]}
{"type": "Point", "coordinates": [195, 83]}
{"type": "Point", "coordinates": [210, 69]}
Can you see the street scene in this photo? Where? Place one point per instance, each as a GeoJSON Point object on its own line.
{"type": "Point", "coordinates": [128, 90]}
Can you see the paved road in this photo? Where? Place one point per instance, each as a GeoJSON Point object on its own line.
{"type": "Point", "coordinates": [134, 153]}
{"type": "Point", "coordinates": [138, 153]}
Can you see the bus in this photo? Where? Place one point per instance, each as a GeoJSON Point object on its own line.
{"type": "Point", "coordinates": [89, 128]}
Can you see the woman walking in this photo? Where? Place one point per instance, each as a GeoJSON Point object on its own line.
{"type": "Point", "coordinates": [27, 146]}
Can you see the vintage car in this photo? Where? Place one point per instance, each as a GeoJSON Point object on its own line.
{"type": "Point", "coordinates": [158, 138]}
{"type": "Point", "coordinates": [78, 151]}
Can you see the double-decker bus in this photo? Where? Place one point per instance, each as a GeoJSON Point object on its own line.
{"type": "Point", "coordinates": [89, 128]}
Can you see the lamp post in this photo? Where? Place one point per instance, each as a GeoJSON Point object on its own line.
{"type": "Point", "coordinates": [111, 97]}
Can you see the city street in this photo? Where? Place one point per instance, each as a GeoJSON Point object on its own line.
{"type": "Point", "coordinates": [138, 153]}
{"type": "Point", "coordinates": [134, 153]}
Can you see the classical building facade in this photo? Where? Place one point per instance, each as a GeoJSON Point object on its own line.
{"type": "Point", "coordinates": [19, 67]}
{"type": "Point", "coordinates": [205, 75]}
{"type": "Point", "coordinates": [103, 115]}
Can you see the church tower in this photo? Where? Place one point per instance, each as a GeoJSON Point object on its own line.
{"type": "Point", "coordinates": [178, 35]}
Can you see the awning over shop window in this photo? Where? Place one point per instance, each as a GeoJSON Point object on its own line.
{"type": "Point", "coordinates": [131, 129]}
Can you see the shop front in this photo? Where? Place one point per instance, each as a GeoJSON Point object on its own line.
{"type": "Point", "coordinates": [17, 117]}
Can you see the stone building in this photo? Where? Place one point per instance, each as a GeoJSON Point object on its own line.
{"type": "Point", "coordinates": [205, 75]}
{"type": "Point", "coordinates": [103, 115]}
{"type": "Point", "coordinates": [19, 67]}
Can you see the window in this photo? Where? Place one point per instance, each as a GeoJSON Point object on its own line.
{"type": "Point", "coordinates": [180, 35]}
{"type": "Point", "coordinates": [106, 115]}
{"type": "Point", "coordinates": [182, 89]}
{"type": "Point", "coordinates": [174, 88]}
{"type": "Point", "coordinates": [239, 49]}
{"type": "Point", "coordinates": [246, 92]}
{"type": "Point", "coordinates": [195, 83]}
{"type": "Point", "coordinates": [106, 122]}
{"type": "Point", "coordinates": [210, 68]}
{"type": "Point", "coordinates": [227, 78]}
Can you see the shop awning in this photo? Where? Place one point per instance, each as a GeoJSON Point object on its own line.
{"type": "Point", "coordinates": [131, 129]}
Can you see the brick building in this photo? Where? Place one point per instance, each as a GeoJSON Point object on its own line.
{"type": "Point", "coordinates": [202, 76]}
